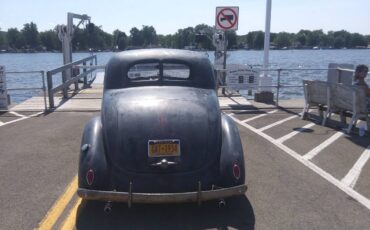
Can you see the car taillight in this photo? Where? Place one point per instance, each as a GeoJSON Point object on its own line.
{"type": "Point", "coordinates": [90, 177]}
{"type": "Point", "coordinates": [236, 171]}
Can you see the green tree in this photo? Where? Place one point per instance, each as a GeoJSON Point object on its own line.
{"type": "Point", "coordinates": [258, 40]}
{"type": "Point", "coordinates": [120, 40]}
{"type": "Point", "coordinates": [166, 41]}
{"type": "Point", "coordinates": [184, 37]}
{"type": "Point", "coordinates": [49, 39]}
{"type": "Point", "coordinates": [358, 40]}
{"type": "Point", "coordinates": [302, 38]}
{"type": "Point", "coordinates": [3, 41]}
{"type": "Point", "coordinates": [30, 34]}
{"type": "Point", "coordinates": [206, 33]}
{"type": "Point", "coordinates": [343, 35]}
{"type": "Point", "coordinates": [80, 38]}
{"type": "Point", "coordinates": [15, 38]}
{"type": "Point", "coordinates": [231, 39]}
{"type": "Point", "coordinates": [283, 39]}
{"type": "Point", "coordinates": [97, 38]}
{"type": "Point", "coordinates": [136, 38]}
{"type": "Point", "coordinates": [149, 36]}
{"type": "Point", "coordinates": [314, 38]}
{"type": "Point", "coordinates": [339, 42]}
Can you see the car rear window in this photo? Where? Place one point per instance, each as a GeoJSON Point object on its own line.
{"type": "Point", "coordinates": [152, 72]}
{"type": "Point", "coordinates": [144, 72]}
{"type": "Point", "coordinates": [173, 71]}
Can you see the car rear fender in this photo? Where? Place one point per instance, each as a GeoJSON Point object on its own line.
{"type": "Point", "coordinates": [231, 153]}
{"type": "Point", "coordinates": [93, 158]}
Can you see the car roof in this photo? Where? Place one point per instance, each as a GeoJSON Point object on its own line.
{"type": "Point", "coordinates": [201, 70]}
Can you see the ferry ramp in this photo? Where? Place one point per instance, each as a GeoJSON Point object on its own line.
{"type": "Point", "coordinates": [300, 174]}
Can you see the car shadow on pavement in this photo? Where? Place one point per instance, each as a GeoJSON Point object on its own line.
{"type": "Point", "coordinates": [238, 214]}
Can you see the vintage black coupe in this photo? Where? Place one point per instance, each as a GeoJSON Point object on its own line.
{"type": "Point", "coordinates": [161, 137]}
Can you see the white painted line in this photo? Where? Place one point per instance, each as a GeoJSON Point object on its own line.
{"type": "Point", "coordinates": [311, 154]}
{"type": "Point", "coordinates": [1, 123]}
{"type": "Point", "coordinates": [352, 176]}
{"type": "Point", "coordinates": [345, 188]}
{"type": "Point", "coordinates": [277, 123]}
{"type": "Point", "coordinates": [36, 114]}
{"type": "Point", "coordinates": [22, 118]}
{"type": "Point", "coordinates": [259, 116]}
{"type": "Point", "coordinates": [292, 134]}
{"type": "Point", "coordinates": [17, 114]}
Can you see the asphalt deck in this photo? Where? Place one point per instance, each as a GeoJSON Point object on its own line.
{"type": "Point", "coordinates": [39, 159]}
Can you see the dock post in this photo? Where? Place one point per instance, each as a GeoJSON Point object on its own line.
{"type": "Point", "coordinates": [50, 89]}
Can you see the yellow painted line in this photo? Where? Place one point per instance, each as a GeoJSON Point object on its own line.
{"type": "Point", "coordinates": [70, 221]}
{"type": "Point", "coordinates": [59, 206]}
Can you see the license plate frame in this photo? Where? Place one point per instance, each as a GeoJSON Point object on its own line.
{"type": "Point", "coordinates": [164, 148]}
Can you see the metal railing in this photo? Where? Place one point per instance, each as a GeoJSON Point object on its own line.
{"type": "Point", "coordinates": [43, 88]}
{"type": "Point", "coordinates": [87, 69]}
{"type": "Point", "coordinates": [277, 73]}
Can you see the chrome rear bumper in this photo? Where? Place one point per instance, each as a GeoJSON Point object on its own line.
{"type": "Point", "coordinates": [156, 198]}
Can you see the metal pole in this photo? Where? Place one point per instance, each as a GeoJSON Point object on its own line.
{"type": "Point", "coordinates": [224, 65]}
{"type": "Point", "coordinates": [65, 88]}
{"type": "Point", "coordinates": [278, 87]}
{"type": "Point", "coordinates": [267, 36]}
{"type": "Point", "coordinates": [74, 71]}
{"type": "Point", "coordinates": [50, 89]}
{"type": "Point", "coordinates": [44, 89]}
{"type": "Point", "coordinates": [85, 78]}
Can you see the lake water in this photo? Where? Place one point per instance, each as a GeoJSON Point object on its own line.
{"type": "Point", "coordinates": [286, 59]}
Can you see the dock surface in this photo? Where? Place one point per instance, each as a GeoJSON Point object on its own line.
{"type": "Point", "coordinates": [300, 174]}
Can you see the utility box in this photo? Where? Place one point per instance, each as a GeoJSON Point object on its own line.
{"type": "Point", "coordinates": [264, 97]}
{"type": "Point", "coordinates": [4, 100]}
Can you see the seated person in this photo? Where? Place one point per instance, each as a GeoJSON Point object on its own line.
{"type": "Point", "coordinates": [359, 79]}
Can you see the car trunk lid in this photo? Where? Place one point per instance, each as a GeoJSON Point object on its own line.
{"type": "Point", "coordinates": [161, 129]}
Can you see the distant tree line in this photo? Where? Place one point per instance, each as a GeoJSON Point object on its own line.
{"type": "Point", "coordinates": [93, 37]}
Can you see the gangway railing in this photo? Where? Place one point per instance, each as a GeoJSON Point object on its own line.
{"type": "Point", "coordinates": [64, 87]}
{"type": "Point", "coordinates": [41, 73]}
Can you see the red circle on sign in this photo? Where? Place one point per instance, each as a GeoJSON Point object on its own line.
{"type": "Point", "coordinates": [232, 24]}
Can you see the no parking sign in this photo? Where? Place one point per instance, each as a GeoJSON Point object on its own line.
{"type": "Point", "coordinates": [227, 17]}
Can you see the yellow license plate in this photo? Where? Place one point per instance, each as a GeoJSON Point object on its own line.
{"type": "Point", "coordinates": [164, 148]}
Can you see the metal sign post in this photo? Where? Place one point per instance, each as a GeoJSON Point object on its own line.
{"type": "Point", "coordinates": [226, 19]}
{"type": "Point", "coordinates": [3, 90]}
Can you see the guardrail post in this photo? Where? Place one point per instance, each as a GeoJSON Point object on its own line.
{"type": "Point", "coordinates": [91, 76]}
{"type": "Point", "coordinates": [50, 89]}
{"type": "Point", "coordinates": [278, 87]}
{"type": "Point", "coordinates": [85, 77]}
{"type": "Point", "coordinates": [64, 79]}
{"type": "Point", "coordinates": [73, 76]}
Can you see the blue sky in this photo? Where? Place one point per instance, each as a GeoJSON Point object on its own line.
{"type": "Point", "coordinates": [168, 16]}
